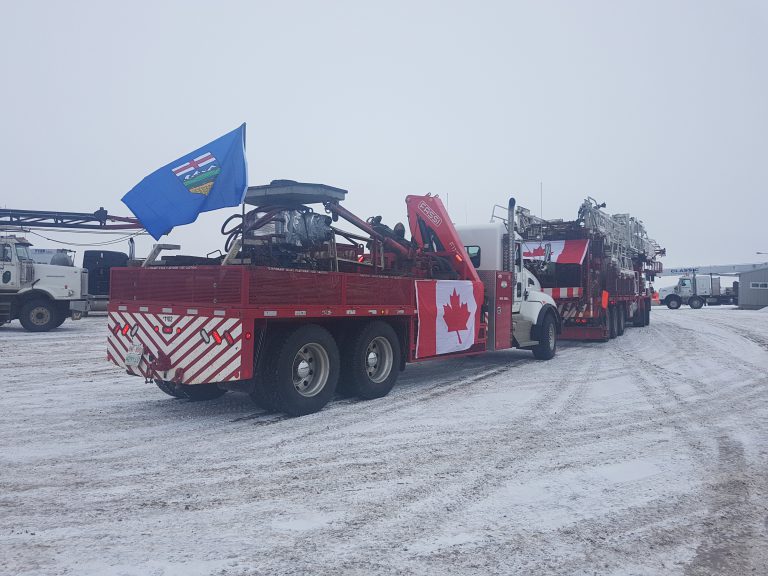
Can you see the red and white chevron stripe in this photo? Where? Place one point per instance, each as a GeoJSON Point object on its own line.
{"type": "Point", "coordinates": [563, 292]}
{"type": "Point", "coordinates": [196, 349]}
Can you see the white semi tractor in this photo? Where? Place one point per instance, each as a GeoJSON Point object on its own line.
{"type": "Point", "coordinates": [695, 290]}
{"type": "Point", "coordinates": [40, 296]}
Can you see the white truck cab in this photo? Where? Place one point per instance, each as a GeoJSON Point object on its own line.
{"type": "Point", "coordinates": [40, 296]}
{"type": "Point", "coordinates": [486, 247]}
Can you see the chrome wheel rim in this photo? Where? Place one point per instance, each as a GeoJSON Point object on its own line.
{"type": "Point", "coordinates": [551, 336]}
{"type": "Point", "coordinates": [379, 359]}
{"type": "Point", "coordinates": [40, 315]}
{"type": "Point", "coordinates": [311, 367]}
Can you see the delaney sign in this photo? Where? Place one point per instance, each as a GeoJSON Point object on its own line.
{"type": "Point", "coordinates": [448, 316]}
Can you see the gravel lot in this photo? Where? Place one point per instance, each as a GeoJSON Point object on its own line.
{"type": "Point", "coordinates": [645, 455]}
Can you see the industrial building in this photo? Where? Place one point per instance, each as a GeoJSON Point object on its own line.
{"type": "Point", "coordinates": [753, 289]}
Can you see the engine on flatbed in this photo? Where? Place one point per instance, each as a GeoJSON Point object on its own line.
{"type": "Point", "coordinates": [291, 238]}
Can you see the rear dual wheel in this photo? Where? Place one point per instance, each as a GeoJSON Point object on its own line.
{"type": "Point", "coordinates": [300, 371]}
{"type": "Point", "coordinates": [638, 320]}
{"type": "Point", "coordinates": [370, 361]}
{"type": "Point", "coordinates": [695, 302]}
{"type": "Point", "coordinates": [621, 320]}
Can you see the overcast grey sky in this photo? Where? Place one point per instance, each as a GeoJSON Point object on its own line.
{"type": "Point", "coordinates": [659, 109]}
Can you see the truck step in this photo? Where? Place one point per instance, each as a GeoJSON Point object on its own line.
{"type": "Point", "coordinates": [5, 312]}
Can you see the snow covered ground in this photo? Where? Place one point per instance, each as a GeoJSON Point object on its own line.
{"type": "Point", "coordinates": [645, 455]}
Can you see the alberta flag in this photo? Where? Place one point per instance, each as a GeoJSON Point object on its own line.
{"type": "Point", "coordinates": [449, 316]}
{"type": "Point", "coordinates": [213, 176]}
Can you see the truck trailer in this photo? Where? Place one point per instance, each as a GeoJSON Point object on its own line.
{"type": "Point", "coordinates": [596, 267]}
{"type": "Point", "coordinates": [298, 308]}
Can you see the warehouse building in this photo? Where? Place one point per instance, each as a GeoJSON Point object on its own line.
{"type": "Point", "coordinates": [753, 289]}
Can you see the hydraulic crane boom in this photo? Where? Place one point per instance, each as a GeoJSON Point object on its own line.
{"type": "Point", "coordinates": [98, 220]}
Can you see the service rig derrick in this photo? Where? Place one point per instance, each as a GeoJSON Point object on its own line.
{"type": "Point", "coordinates": [624, 238]}
{"type": "Point", "coordinates": [98, 220]}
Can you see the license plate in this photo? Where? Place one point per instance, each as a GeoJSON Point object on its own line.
{"type": "Point", "coordinates": [133, 357]}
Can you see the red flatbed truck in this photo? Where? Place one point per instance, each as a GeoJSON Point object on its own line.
{"type": "Point", "coordinates": [597, 268]}
{"type": "Point", "coordinates": [298, 307]}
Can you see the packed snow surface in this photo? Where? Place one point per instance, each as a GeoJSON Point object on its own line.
{"type": "Point", "coordinates": [644, 455]}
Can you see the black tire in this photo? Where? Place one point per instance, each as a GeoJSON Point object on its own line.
{"type": "Point", "coordinates": [261, 397]}
{"type": "Point", "coordinates": [258, 392]}
{"type": "Point", "coordinates": [170, 388]}
{"type": "Point", "coordinates": [605, 324]}
{"type": "Point", "coordinates": [621, 320]}
{"type": "Point", "coordinates": [638, 319]}
{"type": "Point", "coordinates": [301, 377]}
{"type": "Point", "coordinates": [695, 302]}
{"type": "Point", "coordinates": [39, 315]}
{"type": "Point", "coordinates": [60, 320]}
{"type": "Point", "coordinates": [611, 322]}
{"type": "Point", "coordinates": [673, 303]}
{"type": "Point", "coordinates": [371, 361]}
{"type": "Point", "coordinates": [200, 392]}
{"type": "Point", "coordinates": [547, 346]}
{"type": "Point", "coordinates": [647, 315]}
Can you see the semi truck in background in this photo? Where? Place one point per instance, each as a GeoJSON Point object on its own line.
{"type": "Point", "coordinates": [99, 263]}
{"type": "Point", "coordinates": [298, 306]}
{"type": "Point", "coordinates": [597, 267]}
{"type": "Point", "coordinates": [696, 289]}
{"type": "Point", "coordinates": [40, 296]}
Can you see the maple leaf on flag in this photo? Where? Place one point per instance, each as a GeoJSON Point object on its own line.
{"type": "Point", "coordinates": [455, 315]}
{"type": "Point", "coordinates": [535, 252]}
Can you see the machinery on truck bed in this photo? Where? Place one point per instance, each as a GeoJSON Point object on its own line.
{"type": "Point", "coordinates": [596, 268]}
{"type": "Point", "coordinates": [298, 306]}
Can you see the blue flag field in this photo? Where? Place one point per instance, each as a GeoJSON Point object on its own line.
{"type": "Point", "coordinates": [213, 176]}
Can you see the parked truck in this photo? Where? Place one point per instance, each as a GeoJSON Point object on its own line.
{"type": "Point", "coordinates": [298, 307]}
{"type": "Point", "coordinates": [695, 290]}
{"type": "Point", "coordinates": [596, 267]}
{"type": "Point", "coordinates": [40, 296]}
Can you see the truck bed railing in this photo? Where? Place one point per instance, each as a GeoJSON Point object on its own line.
{"type": "Point", "coordinates": [246, 286]}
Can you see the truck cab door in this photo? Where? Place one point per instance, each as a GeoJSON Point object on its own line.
{"type": "Point", "coordinates": [519, 291]}
{"type": "Point", "coordinates": [9, 273]}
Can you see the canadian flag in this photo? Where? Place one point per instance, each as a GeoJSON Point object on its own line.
{"type": "Point", "coordinates": [449, 316]}
{"type": "Point", "coordinates": [561, 251]}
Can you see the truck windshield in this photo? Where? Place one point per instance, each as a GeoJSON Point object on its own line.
{"type": "Point", "coordinates": [22, 252]}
